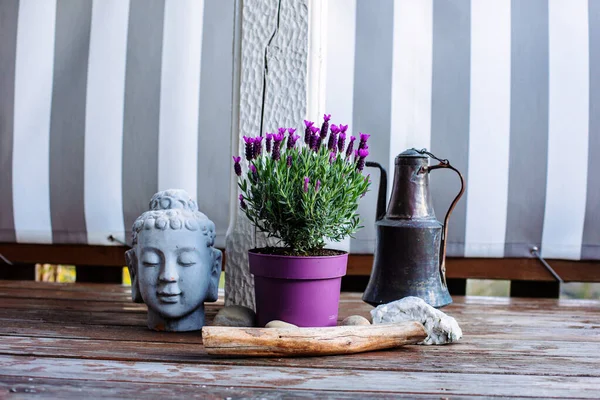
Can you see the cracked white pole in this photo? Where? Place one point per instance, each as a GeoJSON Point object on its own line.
{"type": "Point", "coordinates": [270, 91]}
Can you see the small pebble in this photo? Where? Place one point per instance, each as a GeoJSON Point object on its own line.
{"type": "Point", "coordinates": [237, 316]}
{"type": "Point", "coordinates": [355, 320]}
{"type": "Point", "coordinates": [280, 324]}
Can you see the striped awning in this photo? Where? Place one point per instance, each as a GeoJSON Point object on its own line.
{"type": "Point", "coordinates": [105, 102]}
{"type": "Point", "coordinates": [508, 91]}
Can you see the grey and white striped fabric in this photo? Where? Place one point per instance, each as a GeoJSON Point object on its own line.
{"type": "Point", "coordinates": [508, 91]}
{"type": "Point", "coordinates": [103, 102]}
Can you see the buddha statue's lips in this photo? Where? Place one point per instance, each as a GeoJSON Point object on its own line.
{"type": "Point", "coordinates": [168, 294]}
{"type": "Point", "coordinates": [168, 297]}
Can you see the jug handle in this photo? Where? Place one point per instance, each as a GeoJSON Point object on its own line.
{"type": "Point", "coordinates": [444, 163]}
{"type": "Point", "coordinates": [381, 197]}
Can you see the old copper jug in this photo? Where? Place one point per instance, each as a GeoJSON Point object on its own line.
{"type": "Point", "coordinates": [411, 243]}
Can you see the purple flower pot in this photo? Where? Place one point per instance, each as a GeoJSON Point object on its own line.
{"type": "Point", "coordinates": [303, 291]}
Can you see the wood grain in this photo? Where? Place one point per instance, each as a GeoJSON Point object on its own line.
{"type": "Point", "coordinates": [316, 378]}
{"type": "Point", "coordinates": [527, 269]}
{"type": "Point", "coordinates": [62, 340]}
{"type": "Point", "coordinates": [73, 388]}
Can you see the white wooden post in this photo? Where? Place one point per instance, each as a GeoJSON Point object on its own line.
{"type": "Point", "coordinates": [270, 91]}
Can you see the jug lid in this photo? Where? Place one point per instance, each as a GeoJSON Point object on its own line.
{"type": "Point", "coordinates": [411, 156]}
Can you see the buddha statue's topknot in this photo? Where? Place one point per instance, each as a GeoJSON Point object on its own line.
{"type": "Point", "coordinates": [174, 209]}
{"type": "Point", "coordinates": [172, 199]}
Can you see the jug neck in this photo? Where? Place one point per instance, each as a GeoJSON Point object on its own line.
{"type": "Point", "coordinates": [410, 191]}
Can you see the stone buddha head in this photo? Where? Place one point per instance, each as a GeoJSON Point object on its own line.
{"type": "Point", "coordinates": [173, 266]}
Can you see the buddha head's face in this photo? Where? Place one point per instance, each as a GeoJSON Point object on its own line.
{"type": "Point", "coordinates": [173, 266]}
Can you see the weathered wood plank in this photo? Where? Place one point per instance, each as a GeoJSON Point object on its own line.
{"type": "Point", "coordinates": [63, 294]}
{"type": "Point", "coordinates": [546, 360]}
{"type": "Point", "coordinates": [26, 387]}
{"type": "Point", "coordinates": [503, 328]}
{"type": "Point", "coordinates": [358, 264]}
{"type": "Point", "coordinates": [120, 291]}
{"type": "Point", "coordinates": [475, 334]}
{"type": "Point", "coordinates": [348, 305]}
{"type": "Point", "coordinates": [527, 269]}
{"type": "Point", "coordinates": [442, 384]}
{"type": "Point", "coordinates": [568, 324]}
{"type": "Point", "coordinates": [114, 333]}
{"type": "Point", "coordinates": [78, 286]}
{"type": "Point", "coordinates": [512, 347]}
{"type": "Point", "coordinates": [67, 304]}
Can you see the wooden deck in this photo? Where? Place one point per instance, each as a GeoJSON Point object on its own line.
{"type": "Point", "coordinates": [90, 340]}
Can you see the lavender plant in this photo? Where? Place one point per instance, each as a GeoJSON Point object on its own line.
{"type": "Point", "coordinates": [304, 192]}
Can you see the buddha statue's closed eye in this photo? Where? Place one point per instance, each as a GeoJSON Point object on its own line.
{"type": "Point", "coordinates": [173, 266]}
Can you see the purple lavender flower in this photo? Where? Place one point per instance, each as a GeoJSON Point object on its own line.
{"type": "Point", "coordinates": [249, 148]}
{"type": "Point", "coordinates": [307, 131]}
{"type": "Point", "coordinates": [318, 185]}
{"type": "Point", "coordinates": [361, 154]}
{"type": "Point", "coordinates": [332, 157]}
{"type": "Point", "coordinates": [236, 165]}
{"type": "Point", "coordinates": [313, 142]}
{"type": "Point", "coordinates": [363, 140]}
{"type": "Point", "coordinates": [341, 141]}
{"type": "Point", "coordinates": [257, 146]}
{"type": "Point", "coordinates": [343, 128]}
{"type": "Point", "coordinates": [277, 139]}
{"type": "Point", "coordinates": [291, 131]}
{"type": "Point", "coordinates": [332, 143]}
{"type": "Point", "coordinates": [254, 171]}
{"type": "Point", "coordinates": [268, 142]}
{"type": "Point", "coordinates": [306, 180]}
{"type": "Point", "coordinates": [289, 161]}
{"type": "Point", "coordinates": [281, 131]}
{"type": "Point", "coordinates": [292, 139]}
{"type": "Point", "coordinates": [315, 139]}
{"type": "Point", "coordinates": [350, 146]}
{"type": "Point", "coordinates": [276, 154]}
{"type": "Point", "coordinates": [242, 202]}
{"type": "Point", "coordinates": [325, 126]}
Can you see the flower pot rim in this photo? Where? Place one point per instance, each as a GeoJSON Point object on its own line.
{"type": "Point", "coordinates": [297, 267]}
{"type": "Point", "coordinates": [253, 251]}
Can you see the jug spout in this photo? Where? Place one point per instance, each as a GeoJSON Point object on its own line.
{"type": "Point", "coordinates": [382, 193]}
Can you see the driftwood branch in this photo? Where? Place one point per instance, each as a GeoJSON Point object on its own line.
{"type": "Point", "coordinates": [289, 342]}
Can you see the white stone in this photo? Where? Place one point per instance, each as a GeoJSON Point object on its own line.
{"type": "Point", "coordinates": [279, 324]}
{"type": "Point", "coordinates": [355, 320]}
{"type": "Point", "coordinates": [235, 316]}
{"type": "Point", "coordinates": [441, 328]}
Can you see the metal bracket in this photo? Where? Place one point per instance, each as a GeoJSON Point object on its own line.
{"type": "Point", "coordinates": [536, 253]}
{"type": "Point", "coordinates": [6, 260]}
{"type": "Point", "coordinates": [114, 239]}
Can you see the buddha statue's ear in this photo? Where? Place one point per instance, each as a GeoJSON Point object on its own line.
{"type": "Point", "coordinates": [132, 264]}
{"type": "Point", "coordinates": [215, 275]}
